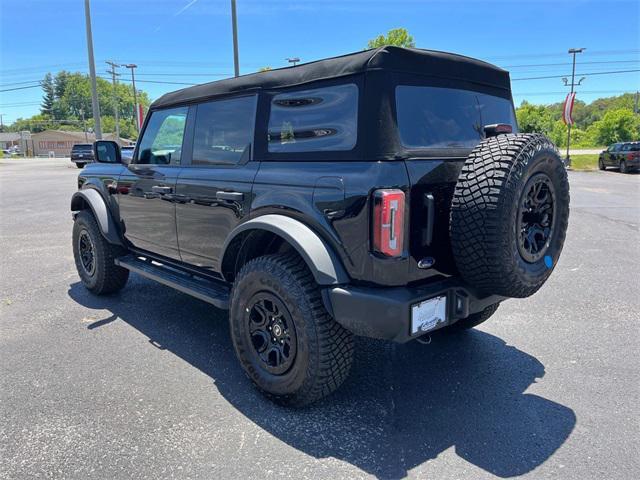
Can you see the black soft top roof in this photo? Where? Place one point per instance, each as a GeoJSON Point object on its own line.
{"type": "Point", "coordinates": [408, 60]}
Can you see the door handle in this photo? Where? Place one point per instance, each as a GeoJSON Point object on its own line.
{"type": "Point", "coordinates": [234, 196]}
{"type": "Point", "coordinates": [161, 189]}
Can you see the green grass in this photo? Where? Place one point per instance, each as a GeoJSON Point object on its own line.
{"type": "Point", "coordinates": [584, 162]}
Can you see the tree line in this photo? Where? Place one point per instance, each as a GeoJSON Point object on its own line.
{"type": "Point", "coordinates": [599, 123]}
{"type": "Point", "coordinates": [67, 97]}
{"type": "Point", "coordinates": [66, 101]}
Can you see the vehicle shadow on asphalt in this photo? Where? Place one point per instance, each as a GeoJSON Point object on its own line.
{"type": "Point", "coordinates": [402, 405]}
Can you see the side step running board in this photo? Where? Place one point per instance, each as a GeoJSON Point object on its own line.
{"type": "Point", "coordinates": [211, 291]}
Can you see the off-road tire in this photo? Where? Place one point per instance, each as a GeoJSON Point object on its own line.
{"type": "Point", "coordinates": [623, 167]}
{"type": "Point", "coordinates": [601, 165]}
{"type": "Point", "coordinates": [324, 348]}
{"type": "Point", "coordinates": [80, 165]}
{"type": "Point", "coordinates": [473, 320]}
{"type": "Point", "coordinates": [107, 277]}
{"type": "Point", "coordinates": [485, 210]}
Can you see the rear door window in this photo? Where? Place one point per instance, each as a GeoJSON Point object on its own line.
{"type": "Point", "coordinates": [224, 131]}
{"type": "Point", "coordinates": [314, 120]}
{"type": "Point", "coordinates": [434, 117]}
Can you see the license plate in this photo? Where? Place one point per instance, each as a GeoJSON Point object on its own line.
{"type": "Point", "coordinates": [427, 315]}
{"type": "Point", "coordinates": [81, 155]}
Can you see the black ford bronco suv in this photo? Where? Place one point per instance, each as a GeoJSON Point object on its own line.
{"type": "Point", "coordinates": [383, 193]}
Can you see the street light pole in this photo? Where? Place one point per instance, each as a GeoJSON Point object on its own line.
{"type": "Point", "coordinates": [234, 24]}
{"type": "Point", "coordinates": [573, 52]}
{"type": "Point", "coordinates": [133, 66]}
{"type": "Point", "coordinates": [92, 73]}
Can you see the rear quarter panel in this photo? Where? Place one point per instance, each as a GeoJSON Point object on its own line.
{"type": "Point", "coordinates": [334, 199]}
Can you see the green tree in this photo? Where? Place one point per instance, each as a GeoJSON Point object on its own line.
{"type": "Point", "coordinates": [264, 69]}
{"type": "Point", "coordinates": [68, 95]}
{"type": "Point", "coordinates": [619, 125]}
{"type": "Point", "coordinates": [398, 37]}
{"type": "Point", "coordinates": [48, 97]}
{"type": "Point", "coordinates": [36, 123]}
{"type": "Point", "coordinates": [60, 83]}
{"type": "Point", "coordinates": [534, 118]}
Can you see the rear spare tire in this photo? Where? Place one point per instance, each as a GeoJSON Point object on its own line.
{"type": "Point", "coordinates": [509, 214]}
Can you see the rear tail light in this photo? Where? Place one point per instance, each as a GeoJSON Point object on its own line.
{"type": "Point", "coordinates": [388, 222]}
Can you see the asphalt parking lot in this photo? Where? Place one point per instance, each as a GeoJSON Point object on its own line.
{"type": "Point", "coordinates": [144, 384]}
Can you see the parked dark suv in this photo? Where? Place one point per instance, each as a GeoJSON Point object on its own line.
{"type": "Point", "coordinates": [81, 154]}
{"type": "Point", "coordinates": [380, 194]}
{"type": "Point", "coordinates": [625, 156]}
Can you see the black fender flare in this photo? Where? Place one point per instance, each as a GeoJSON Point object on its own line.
{"type": "Point", "coordinates": [98, 206]}
{"type": "Point", "coordinates": [323, 262]}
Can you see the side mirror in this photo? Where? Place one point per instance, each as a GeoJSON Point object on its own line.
{"type": "Point", "coordinates": [107, 151]}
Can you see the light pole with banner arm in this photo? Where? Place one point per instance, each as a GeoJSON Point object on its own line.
{"type": "Point", "coordinates": [568, 103]}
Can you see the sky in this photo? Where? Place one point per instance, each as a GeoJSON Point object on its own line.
{"type": "Point", "coordinates": [189, 41]}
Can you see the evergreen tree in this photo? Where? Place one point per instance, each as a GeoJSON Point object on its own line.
{"type": "Point", "coordinates": [48, 99]}
{"type": "Point", "coordinates": [60, 83]}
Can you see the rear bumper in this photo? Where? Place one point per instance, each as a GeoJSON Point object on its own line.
{"type": "Point", "coordinates": [82, 160]}
{"type": "Point", "coordinates": [385, 313]}
{"type": "Point", "coordinates": [633, 162]}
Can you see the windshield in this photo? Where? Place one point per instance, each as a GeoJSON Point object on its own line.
{"type": "Point", "coordinates": [434, 117]}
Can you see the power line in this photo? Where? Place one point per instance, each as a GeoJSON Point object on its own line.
{"type": "Point", "coordinates": [562, 54]}
{"type": "Point", "coordinates": [582, 74]}
{"type": "Point", "coordinates": [19, 88]}
{"type": "Point", "coordinates": [19, 105]}
{"type": "Point", "coordinates": [19, 83]}
{"type": "Point", "coordinates": [186, 74]}
{"type": "Point", "coordinates": [590, 92]}
{"type": "Point", "coordinates": [564, 64]}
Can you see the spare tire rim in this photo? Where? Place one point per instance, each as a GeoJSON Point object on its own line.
{"type": "Point", "coordinates": [272, 333]}
{"type": "Point", "coordinates": [536, 217]}
{"type": "Point", "coordinates": [86, 251]}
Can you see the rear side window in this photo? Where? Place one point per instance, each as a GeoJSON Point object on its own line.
{"type": "Point", "coordinates": [161, 142]}
{"type": "Point", "coordinates": [315, 120]}
{"type": "Point", "coordinates": [224, 131]}
{"type": "Point", "coordinates": [434, 117]}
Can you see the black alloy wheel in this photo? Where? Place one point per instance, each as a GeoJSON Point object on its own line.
{"type": "Point", "coordinates": [536, 216]}
{"type": "Point", "coordinates": [623, 166]}
{"type": "Point", "coordinates": [86, 252]}
{"type": "Point", "coordinates": [95, 257]}
{"type": "Point", "coordinates": [272, 333]}
{"type": "Point", "coordinates": [285, 340]}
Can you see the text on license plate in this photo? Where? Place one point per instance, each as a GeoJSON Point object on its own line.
{"type": "Point", "coordinates": [427, 315]}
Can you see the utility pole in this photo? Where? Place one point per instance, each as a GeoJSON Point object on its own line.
{"type": "Point", "coordinates": [234, 24]}
{"type": "Point", "coordinates": [635, 105]}
{"type": "Point", "coordinates": [114, 74]}
{"type": "Point", "coordinates": [293, 60]}
{"type": "Point", "coordinates": [572, 51]}
{"type": "Point", "coordinates": [132, 67]}
{"type": "Point", "coordinates": [2, 115]}
{"type": "Point", "coordinates": [92, 73]}
{"type": "Point", "coordinates": [84, 125]}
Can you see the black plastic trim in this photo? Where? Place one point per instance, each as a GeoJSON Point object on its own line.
{"type": "Point", "coordinates": [210, 291]}
{"type": "Point", "coordinates": [385, 313]}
